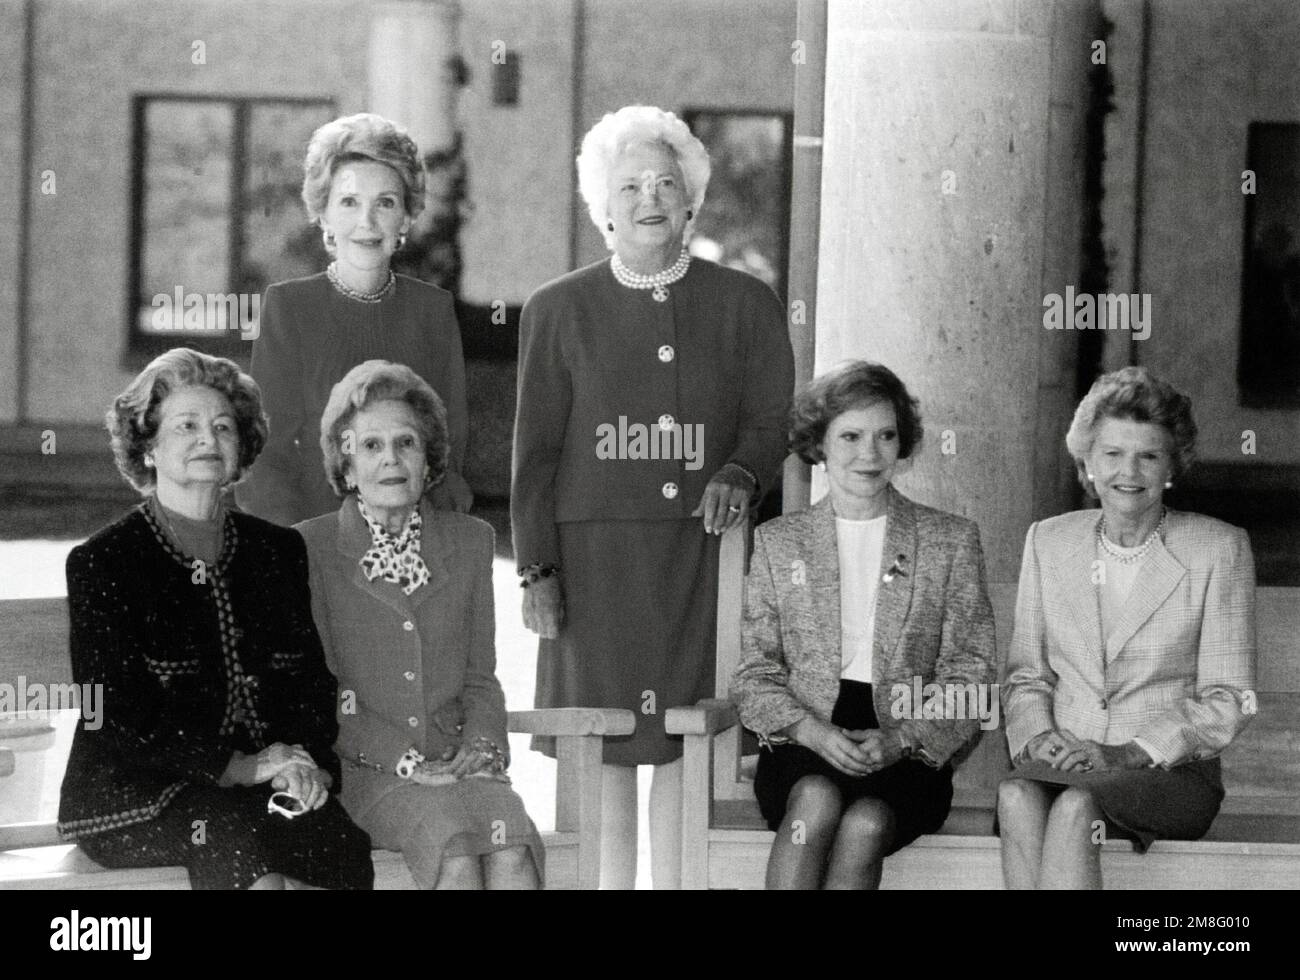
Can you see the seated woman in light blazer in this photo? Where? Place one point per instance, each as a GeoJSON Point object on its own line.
{"type": "Point", "coordinates": [402, 598]}
{"type": "Point", "coordinates": [851, 607]}
{"type": "Point", "coordinates": [1133, 659]}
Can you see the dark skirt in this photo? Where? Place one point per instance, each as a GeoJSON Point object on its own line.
{"type": "Point", "coordinates": [919, 796]}
{"type": "Point", "coordinates": [640, 605]}
{"type": "Point", "coordinates": [1144, 805]}
{"type": "Point", "coordinates": [226, 839]}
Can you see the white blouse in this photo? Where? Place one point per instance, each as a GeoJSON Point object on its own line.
{"type": "Point", "coordinates": [861, 545]}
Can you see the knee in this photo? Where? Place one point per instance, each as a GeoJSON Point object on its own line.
{"type": "Point", "coordinates": [816, 801]}
{"type": "Point", "coordinates": [1016, 799]}
{"type": "Point", "coordinates": [869, 821]}
{"type": "Point", "coordinates": [1076, 805]}
{"type": "Point", "coordinates": [509, 860]}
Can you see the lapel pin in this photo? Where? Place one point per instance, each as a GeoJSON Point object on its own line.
{"type": "Point", "coordinates": [895, 569]}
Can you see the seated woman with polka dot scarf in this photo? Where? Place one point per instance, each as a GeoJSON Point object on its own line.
{"type": "Point", "coordinates": [402, 596]}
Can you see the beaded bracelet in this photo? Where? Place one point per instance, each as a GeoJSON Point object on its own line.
{"type": "Point", "coordinates": [753, 477]}
{"type": "Point", "coordinates": [531, 574]}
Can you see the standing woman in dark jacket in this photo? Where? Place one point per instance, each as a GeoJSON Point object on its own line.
{"type": "Point", "coordinates": [653, 388]}
{"type": "Point", "coordinates": [196, 620]}
{"type": "Point", "coordinates": [364, 186]}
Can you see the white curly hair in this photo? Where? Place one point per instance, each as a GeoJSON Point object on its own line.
{"type": "Point", "coordinates": [638, 124]}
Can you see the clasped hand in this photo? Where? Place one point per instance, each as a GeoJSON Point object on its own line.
{"type": "Point", "coordinates": [289, 769]}
{"type": "Point", "coordinates": [1065, 751]}
{"type": "Point", "coordinates": [452, 765]}
{"type": "Point", "coordinates": [854, 752]}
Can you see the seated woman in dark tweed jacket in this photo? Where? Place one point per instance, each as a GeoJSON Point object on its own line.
{"type": "Point", "coordinates": [215, 750]}
{"type": "Point", "coordinates": [867, 635]}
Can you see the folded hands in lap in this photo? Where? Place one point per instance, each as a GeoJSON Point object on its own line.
{"type": "Point", "coordinates": [854, 752]}
{"type": "Point", "coordinates": [1065, 751]}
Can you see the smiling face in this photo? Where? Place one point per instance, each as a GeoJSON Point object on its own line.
{"type": "Point", "coordinates": [861, 451]}
{"type": "Point", "coordinates": [197, 441]}
{"type": "Point", "coordinates": [647, 200]}
{"type": "Point", "coordinates": [389, 462]}
{"type": "Point", "coordinates": [1130, 463]}
{"type": "Point", "coordinates": [366, 212]}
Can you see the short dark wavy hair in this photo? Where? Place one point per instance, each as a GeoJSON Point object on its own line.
{"type": "Point", "coordinates": [378, 381]}
{"type": "Point", "coordinates": [133, 420]}
{"type": "Point", "coordinates": [364, 136]}
{"type": "Point", "coordinates": [846, 387]}
{"type": "Point", "coordinates": [1136, 394]}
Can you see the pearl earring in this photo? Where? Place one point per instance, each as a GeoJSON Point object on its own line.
{"type": "Point", "coordinates": [401, 241]}
{"type": "Point", "coordinates": [1169, 484]}
{"type": "Point", "coordinates": [1089, 477]}
{"type": "Point", "coordinates": [330, 238]}
{"type": "Point", "coordinates": [148, 460]}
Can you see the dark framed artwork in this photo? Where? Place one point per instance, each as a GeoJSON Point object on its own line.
{"type": "Point", "coordinates": [1268, 368]}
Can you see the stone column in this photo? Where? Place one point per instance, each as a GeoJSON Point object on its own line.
{"type": "Point", "coordinates": [414, 70]}
{"type": "Point", "coordinates": [952, 201]}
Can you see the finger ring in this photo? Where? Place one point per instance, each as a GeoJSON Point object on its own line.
{"type": "Point", "coordinates": [734, 509]}
{"type": "Point", "coordinates": [1053, 750]}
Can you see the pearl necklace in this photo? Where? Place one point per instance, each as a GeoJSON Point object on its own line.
{"type": "Point", "coordinates": [1125, 557]}
{"type": "Point", "coordinates": [332, 271]}
{"type": "Point", "coordinates": [657, 282]}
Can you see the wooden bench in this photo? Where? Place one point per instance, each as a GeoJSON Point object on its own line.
{"type": "Point", "coordinates": [34, 645]}
{"type": "Point", "coordinates": [1254, 842]}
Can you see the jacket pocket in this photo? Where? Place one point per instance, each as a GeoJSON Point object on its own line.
{"type": "Point", "coordinates": [167, 670]}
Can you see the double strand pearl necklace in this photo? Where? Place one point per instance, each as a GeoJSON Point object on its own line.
{"type": "Point", "coordinates": [332, 271]}
{"type": "Point", "coordinates": [657, 282]}
{"type": "Point", "coordinates": [1123, 555]}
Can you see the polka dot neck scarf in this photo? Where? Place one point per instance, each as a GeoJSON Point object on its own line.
{"type": "Point", "coordinates": [395, 558]}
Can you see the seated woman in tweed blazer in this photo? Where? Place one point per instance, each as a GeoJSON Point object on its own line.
{"type": "Point", "coordinates": [852, 608]}
{"type": "Point", "coordinates": [196, 620]}
{"type": "Point", "coordinates": [1133, 657]}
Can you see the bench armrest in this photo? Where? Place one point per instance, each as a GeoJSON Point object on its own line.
{"type": "Point", "coordinates": [707, 717]}
{"type": "Point", "coordinates": [573, 721]}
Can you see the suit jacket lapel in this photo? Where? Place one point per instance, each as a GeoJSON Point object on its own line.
{"type": "Point", "coordinates": [1160, 575]}
{"type": "Point", "coordinates": [824, 557]}
{"type": "Point", "coordinates": [432, 547]}
{"type": "Point", "coordinates": [1073, 569]}
{"type": "Point", "coordinates": [898, 561]}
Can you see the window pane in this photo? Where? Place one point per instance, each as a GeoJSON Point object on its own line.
{"type": "Point", "coordinates": [743, 223]}
{"type": "Point", "coordinates": [186, 202]}
{"type": "Point", "coordinates": [278, 242]}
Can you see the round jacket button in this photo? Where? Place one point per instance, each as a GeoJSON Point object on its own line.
{"type": "Point", "coordinates": [666, 421]}
{"type": "Point", "coordinates": [666, 353]}
{"type": "Point", "coordinates": [1103, 704]}
{"type": "Point", "coordinates": [670, 490]}
{"type": "Point", "coordinates": [408, 626]}
{"type": "Point", "coordinates": [409, 675]}
{"type": "Point", "coordinates": [413, 721]}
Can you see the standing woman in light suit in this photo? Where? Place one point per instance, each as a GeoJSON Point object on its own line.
{"type": "Point", "coordinates": [1133, 657]}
